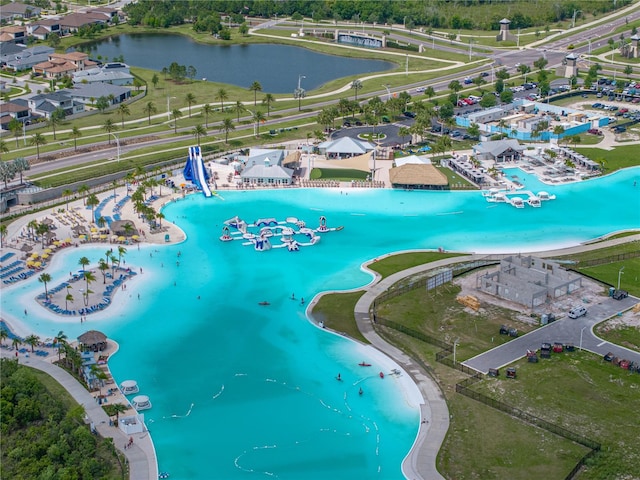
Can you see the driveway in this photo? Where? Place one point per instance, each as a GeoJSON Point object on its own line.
{"type": "Point", "coordinates": [578, 331]}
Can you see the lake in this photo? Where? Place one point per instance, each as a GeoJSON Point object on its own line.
{"type": "Point", "coordinates": [276, 67]}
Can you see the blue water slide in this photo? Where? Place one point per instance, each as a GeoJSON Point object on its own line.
{"type": "Point", "coordinates": [195, 172]}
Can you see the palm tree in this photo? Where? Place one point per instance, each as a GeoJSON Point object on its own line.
{"type": "Point", "coordinates": [239, 108]}
{"type": "Point", "coordinates": [176, 114]}
{"type": "Point", "coordinates": [83, 190]}
{"type": "Point", "coordinates": [16, 342]}
{"type": "Point", "coordinates": [108, 126]}
{"type": "Point", "coordinates": [403, 132]}
{"type": "Point", "coordinates": [68, 298]}
{"type": "Point", "coordinates": [121, 253]}
{"type": "Point", "coordinates": [356, 85]}
{"type": "Point", "coordinates": [84, 261]}
{"type": "Point", "coordinates": [258, 117]}
{"type": "Point", "coordinates": [268, 100]}
{"type": "Point", "coordinates": [89, 278]}
{"type": "Point", "coordinates": [93, 202]}
{"type": "Point", "coordinates": [207, 110]}
{"type": "Point", "coordinates": [3, 147]}
{"type": "Point", "coordinates": [149, 109]}
{"type": "Point", "coordinates": [59, 340]}
{"type": "Point", "coordinates": [20, 165]}
{"type": "Point", "coordinates": [32, 340]}
{"type": "Point", "coordinates": [160, 216]}
{"type": "Point", "coordinates": [3, 233]}
{"type": "Point", "coordinates": [255, 87]}
{"type": "Point", "coordinates": [37, 139]}
{"type": "Point", "coordinates": [45, 278]}
{"type": "Point", "coordinates": [199, 131]}
{"type": "Point", "coordinates": [227, 126]}
{"type": "Point", "coordinates": [221, 95]}
{"type": "Point", "coordinates": [104, 268]}
{"type": "Point", "coordinates": [56, 118]}
{"type": "Point", "coordinates": [75, 134]}
{"type": "Point", "coordinates": [41, 230]}
{"type": "Point", "coordinates": [3, 335]}
{"type": "Point", "coordinates": [191, 99]}
{"type": "Point", "coordinates": [122, 110]}
{"type": "Point", "coordinates": [118, 408]}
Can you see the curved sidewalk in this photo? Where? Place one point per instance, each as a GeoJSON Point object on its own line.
{"type": "Point", "coordinates": [421, 460]}
{"type": "Point", "coordinates": [141, 456]}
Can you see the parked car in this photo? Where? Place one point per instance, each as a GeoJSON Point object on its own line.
{"type": "Point", "coordinates": [577, 312]}
{"type": "Point", "coordinates": [594, 131]}
{"type": "Point", "coordinates": [620, 129]}
{"type": "Point", "coordinates": [620, 294]}
{"type": "Point", "coordinates": [409, 114]}
{"type": "Point", "coordinates": [346, 124]}
{"type": "Point", "coordinates": [484, 74]}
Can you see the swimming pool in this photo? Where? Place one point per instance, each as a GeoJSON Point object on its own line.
{"type": "Point", "coordinates": [238, 387]}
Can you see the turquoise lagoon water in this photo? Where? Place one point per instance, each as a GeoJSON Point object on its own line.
{"type": "Point", "coordinates": [240, 389]}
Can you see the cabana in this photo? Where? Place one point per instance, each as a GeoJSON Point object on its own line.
{"type": "Point", "coordinates": [93, 340]}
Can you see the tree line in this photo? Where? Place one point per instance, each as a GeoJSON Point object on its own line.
{"type": "Point", "coordinates": [207, 15]}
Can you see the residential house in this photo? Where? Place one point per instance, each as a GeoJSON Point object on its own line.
{"type": "Point", "coordinates": [41, 29]}
{"type": "Point", "coordinates": [63, 64]}
{"type": "Point", "coordinates": [45, 104]}
{"type": "Point", "coordinates": [19, 11]}
{"type": "Point", "coordinates": [13, 34]}
{"type": "Point", "coordinates": [26, 58]}
{"type": "Point", "coordinates": [88, 93]}
{"type": "Point", "coordinates": [114, 73]}
{"type": "Point", "coordinates": [14, 109]}
{"type": "Point", "coordinates": [74, 21]}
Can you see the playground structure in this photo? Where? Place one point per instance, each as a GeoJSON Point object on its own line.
{"type": "Point", "coordinates": [195, 172]}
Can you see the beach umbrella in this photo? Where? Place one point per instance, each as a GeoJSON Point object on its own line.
{"type": "Point", "coordinates": [37, 264]}
{"type": "Point", "coordinates": [45, 255]}
{"type": "Point", "coordinates": [29, 263]}
{"type": "Point", "coordinates": [67, 240]}
{"type": "Point", "coordinates": [47, 250]}
{"type": "Point", "coordinates": [34, 255]}
{"type": "Point", "coordinates": [121, 239]}
{"type": "Point", "coordinates": [56, 243]}
{"type": "Point", "coordinates": [103, 236]}
{"type": "Point", "coordinates": [135, 237]}
{"type": "Point", "coordinates": [94, 229]}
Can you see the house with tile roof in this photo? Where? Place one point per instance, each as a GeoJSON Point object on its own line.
{"type": "Point", "coordinates": [13, 34]}
{"type": "Point", "coordinates": [18, 11]}
{"type": "Point", "coordinates": [60, 65]}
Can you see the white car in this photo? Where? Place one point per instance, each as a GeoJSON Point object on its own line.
{"type": "Point", "coordinates": [577, 312]}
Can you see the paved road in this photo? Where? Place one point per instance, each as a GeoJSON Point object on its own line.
{"type": "Point", "coordinates": [578, 331]}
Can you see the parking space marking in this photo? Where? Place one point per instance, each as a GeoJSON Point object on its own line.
{"type": "Point", "coordinates": [601, 343]}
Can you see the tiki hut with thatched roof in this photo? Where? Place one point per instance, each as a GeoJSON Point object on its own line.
{"type": "Point", "coordinates": [418, 177]}
{"type": "Point", "coordinates": [93, 340]}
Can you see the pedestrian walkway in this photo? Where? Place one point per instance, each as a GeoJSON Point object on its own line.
{"type": "Point", "coordinates": [141, 456]}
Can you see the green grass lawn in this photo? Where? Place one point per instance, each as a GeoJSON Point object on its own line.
{"type": "Point", "coordinates": [338, 174]}
{"type": "Point", "coordinates": [395, 263]}
{"type": "Point", "coordinates": [336, 311]}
